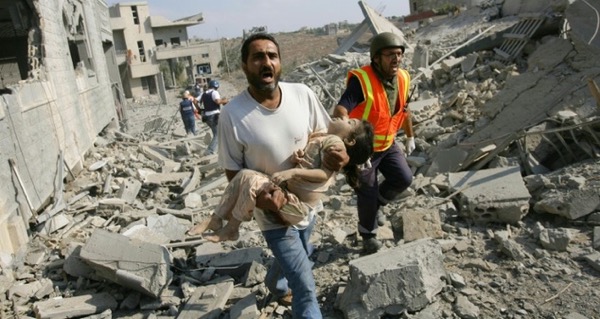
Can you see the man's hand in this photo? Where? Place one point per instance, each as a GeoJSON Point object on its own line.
{"type": "Point", "coordinates": [298, 158]}
{"type": "Point", "coordinates": [271, 198]}
{"type": "Point", "coordinates": [335, 158]}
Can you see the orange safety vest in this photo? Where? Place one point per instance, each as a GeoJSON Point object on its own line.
{"type": "Point", "coordinates": [375, 107]}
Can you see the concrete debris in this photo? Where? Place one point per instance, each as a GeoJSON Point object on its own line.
{"type": "Point", "coordinates": [408, 276]}
{"type": "Point", "coordinates": [207, 301]}
{"type": "Point", "coordinates": [138, 265]}
{"type": "Point", "coordinates": [502, 219]}
{"type": "Point", "coordinates": [75, 306]}
{"type": "Point", "coordinates": [491, 195]}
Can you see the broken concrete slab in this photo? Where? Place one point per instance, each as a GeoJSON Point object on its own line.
{"type": "Point", "coordinates": [255, 274]}
{"type": "Point", "coordinates": [245, 308]}
{"type": "Point", "coordinates": [144, 233]}
{"type": "Point", "coordinates": [205, 252]}
{"type": "Point", "coordinates": [408, 276]}
{"type": "Point", "coordinates": [129, 190]}
{"type": "Point", "coordinates": [74, 306]}
{"type": "Point", "coordinates": [207, 302]}
{"type": "Point", "coordinates": [491, 195]}
{"type": "Point", "coordinates": [167, 178]}
{"type": "Point", "coordinates": [237, 262]}
{"type": "Point", "coordinates": [170, 226]}
{"type": "Point", "coordinates": [73, 265]}
{"type": "Point", "coordinates": [449, 160]}
{"type": "Point", "coordinates": [138, 265]}
{"type": "Point", "coordinates": [191, 183]}
{"type": "Point", "coordinates": [24, 290]}
{"type": "Point", "coordinates": [571, 204]}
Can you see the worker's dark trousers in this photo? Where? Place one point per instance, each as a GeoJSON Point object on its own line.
{"type": "Point", "coordinates": [398, 176]}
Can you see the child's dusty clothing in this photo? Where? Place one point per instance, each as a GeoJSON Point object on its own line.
{"type": "Point", "coordinates": [239, 198]}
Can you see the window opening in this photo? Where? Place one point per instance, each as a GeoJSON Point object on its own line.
{"type": "Point", "coordinates": [134, 13]}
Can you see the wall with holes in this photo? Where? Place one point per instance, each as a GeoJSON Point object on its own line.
{"type": "Point", "coordinates": [50, 119]}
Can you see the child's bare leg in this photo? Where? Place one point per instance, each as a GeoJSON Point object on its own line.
{"type": "Point", "coordinates": [231, 231]}
{"type": "Point", "coordinates": [213, 223]}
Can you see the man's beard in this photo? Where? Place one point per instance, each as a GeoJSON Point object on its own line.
{"type": "Point", "coordinates": [256, 82]}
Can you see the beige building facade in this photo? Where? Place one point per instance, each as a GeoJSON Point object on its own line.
{"type": "Point", "coordinates": [143, 41]}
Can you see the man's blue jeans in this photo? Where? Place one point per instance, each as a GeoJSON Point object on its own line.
{"type": "Point", "coordinates": [292, 269]}
{"type": "Point", "coordinates": [189, 122]}
{"type": "Point", "coordinates": [212, 121]}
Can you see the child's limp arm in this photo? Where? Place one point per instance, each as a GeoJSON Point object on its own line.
{"type": "Point", "coordinates": [315, 175]}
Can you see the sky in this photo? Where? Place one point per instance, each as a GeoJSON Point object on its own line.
{"type": "Point", "coordinates": [228, 18]}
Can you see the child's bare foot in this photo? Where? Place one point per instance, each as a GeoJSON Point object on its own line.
{"type": "Point", "coordinates": [228, 232]}
{"type": "Point", "coordinates": [214, 223]}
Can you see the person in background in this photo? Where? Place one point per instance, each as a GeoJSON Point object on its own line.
{"type": "Point", "coordinates": [260, 129]}
{"type": "Point", "coordinates": [386, 87]}
{"type": "Point", "coordinates": [187, 108]}
{"type": "Point", "coordinates": [197, 89]}
{"type": "Point", "coordinates": [211, 101]}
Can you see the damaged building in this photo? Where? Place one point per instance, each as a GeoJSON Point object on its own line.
{"type": "Point", "coordinates": [144, 41]}
{"type": "Point", "coordinates": [60, 88]}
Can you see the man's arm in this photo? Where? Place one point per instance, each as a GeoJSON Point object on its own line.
{"type": "Point", "coordinates": [222, 101]}
{"type": "Point", "coordinates": [340, 111]}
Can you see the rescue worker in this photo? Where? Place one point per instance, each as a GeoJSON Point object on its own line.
{"type": "Point", "coordinates": [379, 93]}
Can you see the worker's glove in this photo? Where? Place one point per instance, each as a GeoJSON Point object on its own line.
{"type": "Point", "coordinates": [410, 145]}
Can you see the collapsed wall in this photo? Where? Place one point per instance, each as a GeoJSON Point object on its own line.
{"type": "Point", "coordinates": [55, 99]}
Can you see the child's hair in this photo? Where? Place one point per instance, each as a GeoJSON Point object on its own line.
{"type": "Point", "coordinates": [360, 152]}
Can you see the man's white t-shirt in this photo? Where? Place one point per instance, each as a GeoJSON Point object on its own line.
{"type": "Point", "coordinates": [255, 137]}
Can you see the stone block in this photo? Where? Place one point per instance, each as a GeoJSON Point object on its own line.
{"type": "Point", "coordinates": [491, 195]}
{"type": "Point", "coordinates": [137, 265]}
{"type": "Point", "coordinates": [408, 276]}
{"type": "Point", "coordinates": [420, 224]}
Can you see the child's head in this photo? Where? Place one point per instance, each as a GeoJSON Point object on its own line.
{"type": "Point", "coordinates": [357, 136]}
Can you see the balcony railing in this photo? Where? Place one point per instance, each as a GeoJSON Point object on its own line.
{"type": "Point", "coordinates": [171, 51]}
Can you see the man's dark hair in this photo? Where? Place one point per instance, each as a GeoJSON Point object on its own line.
{"type": "Point", "coordinates": [254, 37]}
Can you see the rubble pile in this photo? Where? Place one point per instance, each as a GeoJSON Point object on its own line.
{"type": "Point", "coordinates": [502, 219]}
